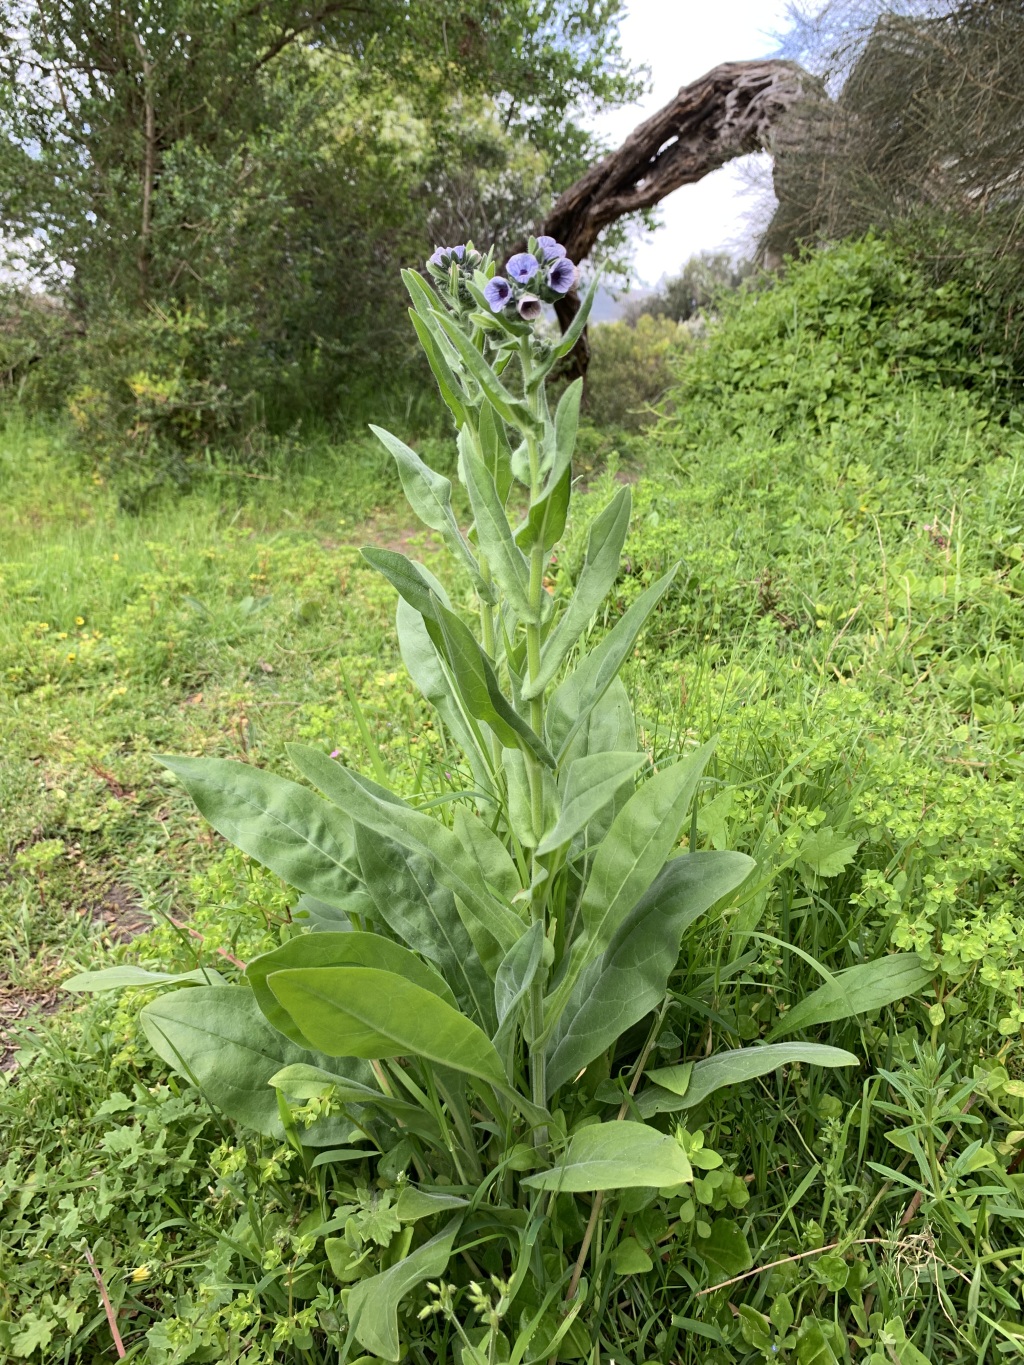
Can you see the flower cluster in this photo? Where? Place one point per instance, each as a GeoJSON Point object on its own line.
{"type": "Point", "coordinates": [535, 277]}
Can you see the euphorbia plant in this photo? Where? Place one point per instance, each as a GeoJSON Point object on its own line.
{"type": "Point", "coordinates": [458, 1017]}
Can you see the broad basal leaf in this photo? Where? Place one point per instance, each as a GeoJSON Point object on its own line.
{"type": "Point", "coordinates": [353, 949]}
{"type": "Point", "coordinates": [858, 990]}
{"type": "Point", "coordinates": [414, 905]}
{"type": "Point", "coordinates": [616, 1156]}
{"type": "Point", "coordinates": [219, 1038]}
{"type": "Point", "coordinates": [363, 1012]}
{"type": "Point", "coordinates": [309, 843]}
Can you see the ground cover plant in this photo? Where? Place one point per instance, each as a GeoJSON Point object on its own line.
{"type": "Point", "coordinates": [845, 618]}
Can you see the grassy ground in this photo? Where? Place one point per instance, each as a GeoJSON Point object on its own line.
{"type": "Point", "coordinates": [847, 619]}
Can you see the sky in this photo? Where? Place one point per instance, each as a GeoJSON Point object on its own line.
{"type": "Point", "coordinates": [679, 40]}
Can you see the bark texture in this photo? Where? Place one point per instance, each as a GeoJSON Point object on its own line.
{"type": "Point", "coordinates": [733, 110]}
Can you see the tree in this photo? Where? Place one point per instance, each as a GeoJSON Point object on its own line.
{"type": "Point", "coordinates": [222, 187]}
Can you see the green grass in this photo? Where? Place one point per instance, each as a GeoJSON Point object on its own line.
{"type": "Point", "coordinates": [847, 620]}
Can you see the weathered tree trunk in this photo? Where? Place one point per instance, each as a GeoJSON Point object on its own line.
{"type": "Point", "coordinates": [732, 110]}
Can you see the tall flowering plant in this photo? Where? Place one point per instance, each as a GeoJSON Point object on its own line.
{"type": "Point", "coordinates": [455, 1034]}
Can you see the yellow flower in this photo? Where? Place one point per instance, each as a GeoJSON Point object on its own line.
{"type": "Point", "coordinates": [115, 558]}
{"type": "Point", "coordinates": [71, 658]}
{"type": "Point", "coordinates": [140, 1274]}
{"type": "Point", "coordinates": [79, 620]}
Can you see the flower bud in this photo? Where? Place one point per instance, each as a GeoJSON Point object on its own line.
{"type": "Point", "coordinates": [529, 307]}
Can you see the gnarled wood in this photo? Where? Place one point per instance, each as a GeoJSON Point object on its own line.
{"type": "Point", "coordinates": [732, 110]}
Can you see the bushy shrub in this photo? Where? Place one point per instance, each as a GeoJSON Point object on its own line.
{"type": "Point", "coordinates": [630, 369]}
{"type": "Point", "coordinates": [832, 333]}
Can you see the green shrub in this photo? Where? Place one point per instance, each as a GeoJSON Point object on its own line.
{"type": "Point", "coordinates": [630, 369]}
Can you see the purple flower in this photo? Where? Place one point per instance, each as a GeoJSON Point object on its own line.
{"type": "Point", "coordinates": [550, 250]}
{"type": "Point", "coordinates": [562, 276]}
{"type": "Point", "coordinates": [443, 255]}
{"type": "Point", "coordinates": [497, 292]}
{"type": "Point", "coordinates": [522, 267]}
{"type": "Point", "coordinates": [529, 307]}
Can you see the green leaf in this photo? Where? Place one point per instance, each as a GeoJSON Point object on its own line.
{"type": "Point", "coordinates": [813, 1347]}
{"type": "Point", "coordinates": [126, 977]}
{"type": "Point", "coordinates": [826, 853]}
{"type": "Point", "coordinates": [373, 1303]}
{"type": "Point", "coordinates": [448, 385]}
{"type": "Point", "coordinates": [494, 534]}
{"type": "Point", "coordinates": [423, 662]}
{"type": "Point", "coordinates": [574, 331]}
{"type": "Point", "coordinates": [219, 1039]}
{"type": "Point", "coordinates": [513, 980]}
{"type": "Point", "coordinates": [416, 831]}
{"type": "Point", "coordinates": [726, 1249]}
{"type": "Point", "coordinates": [508, 407]}
{"type": "Point", "coordinates": [630, 979]}
{"type": "Point", "coordinates": [546, 518]}
{"type": "Point", "coordinates": [566, 425]}
{"type": "Point", "coordinates": [353, 949]}
{"type": "Point", "coordinates": [493, 860]}
{"type": "Point", "coordinates": [363, 1012]}
{"type": "Point", "coordinates": [615, 1156]}
{"type": "Point", "coordinates": [309, 843]}
{"type": "Point", "coordinates": [301, 1081]}
{"type": "Point", "coordinates": [495, 449]}
{"type": "Point", "coordinates": [319, 915]}
{"type": "Point", "coordinates": [574, 698]}
{"type": "Point", "coordinates": [629, 1258]}
{"type": "Point", "coordinates": [414, 1204]}
{"type": "Point", "coordinates": [858, 990]}
{"type": "Point", "coordinates": [471, 668]}
{"type": "Point", "coordinates": [637, 846]}
{"type": "Point", "coordinates": [430, 497]}
{"type": "Point", "coordinates": [692, 1083]}
{"type": "Point", "coordinates": [414, 905]}
{"type": "Point", "coordinates": [591, 782]}
{"type": "Point", "coordinates": [597, 578]}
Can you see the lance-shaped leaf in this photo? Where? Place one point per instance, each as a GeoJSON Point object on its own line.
{"type": "Point", "coordinates": [218, 1038]}
{"type": "Point", "coordinates": [574, 698]}
{"type": "Point", "coordinates": [638, 845]}
{"type": "Point", "coordinates": [354, 949]}
{"type": "Point", "coordinates": [859, 990]}
{"type": "Point", "coordinates": [616, 1156]}
{"type": "Point", "coordinates": [513, 980]}
{"type": "Point", "coordinates": [495, 449]}
{"type": "Point", "coordinates": [562, 440]}
{"type": "Point", "coordinates": [413, 830]}
{"type": "Point", "coordinates": [309, 843]}
{"type": "Point", "coordinates": [497, 870]}
{"type": "Point", "coordinates": [630, 979]}
{"type": "Point", "coordinates": [494, 534]}
{"type": "Point", "coordinates": [627, 860]}
{"type": "Point", "coordinates": [422, 912]}
{"type": "Point", "coordinates": [430, 497]}
{"type": "Point", "coordinates": [546, 518]}
{"type": "Point", "coordinates": [683, 1087]}
{"type": "Point", "coordinates": [574, 331]}
{"type": "Point", "coordinates": [597, 578]}
{"type": "Point", "coordinates": [508, 407]}
{"type": "Point", "coordinates": [591, 782]}
{"type": "Point", "coordinates": [452, 392]}
{"type": "Point", "coordinates": [423, 662]}
{"type": "Point", "coordinates": [127, 977]}
{"type": "Point", "coordinates": [373, 1303]}
{"type": "Point", "coordinates": [364, 1012]}
{"type": "Point", "coordinates": [472, 670]}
